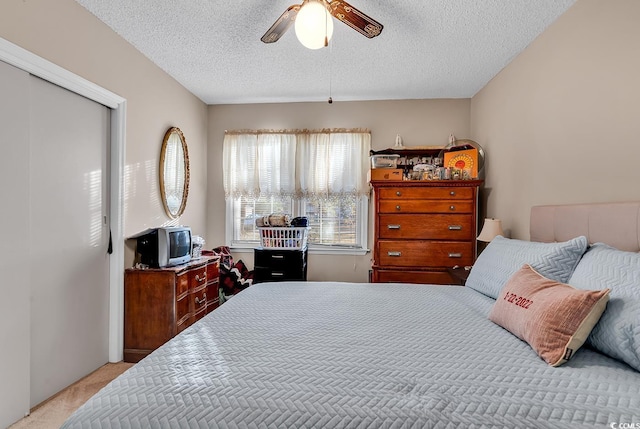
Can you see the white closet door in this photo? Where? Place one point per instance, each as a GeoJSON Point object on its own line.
{"type": "Point", "coordinates": [14, 244]}
{"type": "Point", "coordinates": [68, 137]}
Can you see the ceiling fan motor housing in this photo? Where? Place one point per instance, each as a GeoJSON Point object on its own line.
{"type": "Point", "coordinates": [338, 9]}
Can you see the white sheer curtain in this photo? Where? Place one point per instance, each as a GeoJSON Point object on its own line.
{"type": "Point", "coordinates": [276, 164]}
{"type": "Point", "coordinates": [333, 164]}
{"type": "Point", "coordinates": [239, 165]}
{"type": "Point", "coordinates": [310, 164]}
{"type": "Point", "coordinates": [256, 164]}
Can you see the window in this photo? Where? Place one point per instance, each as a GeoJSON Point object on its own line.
{"type": "Point", "coordinates": [320, 175]}
{"type": "Point", "coordinates": [247, 209]}
{"type": "Point", "coordinates": [334, 222]}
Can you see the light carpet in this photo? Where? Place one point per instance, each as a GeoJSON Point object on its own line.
{"type": "Point", "coordinates": [54, 411]}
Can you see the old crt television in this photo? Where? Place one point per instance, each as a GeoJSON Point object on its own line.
{"type": "Point", "coordinates": [165, 246]}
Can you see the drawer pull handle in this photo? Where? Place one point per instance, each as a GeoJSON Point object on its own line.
{"type": "Point", "coordinates": [452, 193]}
{"type": "Point", "coordinates": [398, 193]}
{"type": "Point", "coordinates": [393, 226]}
{"type": "Point", "coordinates": [394, 254]}
{"type": "Point", "coordinates": [203, 300]}
{"type": "Point", "coordinates": [277, 256]}
{"type": "Point", "coordinates": [277, 274]}
{"type": "Point", "coordinates": [201, 279]}
{"type": "Point", "coordinates": [455, 227]}
{"type": "Point", "coordinates": [455, 255]}
{"type": "Point", "coordinates": [452, 207]}
{"type": "Point", "coordinates": [397, 207]}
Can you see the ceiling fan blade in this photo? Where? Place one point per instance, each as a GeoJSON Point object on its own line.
{"type": "Point", "coordinates": [363, 24]}
{"type": "Point", "coordinates": [281, 25]}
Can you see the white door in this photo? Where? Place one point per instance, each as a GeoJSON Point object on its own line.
{"type": "Point", "coordinates": [15, 263]}
{"type": "Point", "coordinates": [69, 236]}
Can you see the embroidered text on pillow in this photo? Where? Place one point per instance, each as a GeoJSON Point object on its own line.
{"type": "Point", "coordinates": [520, 301]}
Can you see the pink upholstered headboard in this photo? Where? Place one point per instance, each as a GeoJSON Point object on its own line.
{"type": "Point", "coordinates": [616, 224]}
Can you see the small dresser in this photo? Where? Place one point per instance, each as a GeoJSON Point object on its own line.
{"type": "Point", "coordinates": [422, 228]}
{"type": "Point", "coordinates": [272, 265]}
{"type": "Point", "coordinates": [160, 303]}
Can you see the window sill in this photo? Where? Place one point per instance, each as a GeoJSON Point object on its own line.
{"type": "Point", "coordinates": [312, 250]}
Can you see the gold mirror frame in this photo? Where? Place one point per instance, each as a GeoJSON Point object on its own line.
{"type": "Point", "coordinates": [174, 172]}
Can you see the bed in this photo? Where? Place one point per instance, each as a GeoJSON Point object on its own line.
{"type": "Point", "coordinates": [360, 355]}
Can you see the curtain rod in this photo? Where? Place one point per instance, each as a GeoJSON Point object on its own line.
{"type": "Point", "coordinates": [299, 131]}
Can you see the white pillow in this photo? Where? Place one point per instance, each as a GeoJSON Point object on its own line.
{"type": "Point", "coordinates": [504, 256]}
{"type": "Point", "coordinates": [617, 334]}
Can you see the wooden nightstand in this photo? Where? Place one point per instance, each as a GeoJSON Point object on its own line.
{"type": "Point", "coordinates": [459, 274]}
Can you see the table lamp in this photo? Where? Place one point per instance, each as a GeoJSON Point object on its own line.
{"type": "Point", "coordinates": [490, 229]}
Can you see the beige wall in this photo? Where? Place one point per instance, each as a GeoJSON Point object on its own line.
{"type": "Point", "coordinates": [419, 122]}
{"type": "Point", "coordinates": [561, 123]}
{"type": "Point", "coordinates": [66, 34]}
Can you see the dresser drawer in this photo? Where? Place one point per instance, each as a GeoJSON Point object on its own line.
{"type": "Point", "coordinates": [426, 226]}
{"type": "Point", "coordinates": [198, 277]}
{"type": "Point", "coordinates": [182, 285]}
{"type": "Point", "coordinates": [266, 274]}
{"type": "Point", "coordinates": [408, 276]}
{"type": "Point", "coordinates": [183, 315]}
{"type": "Point", "coordinates": [426, 193]}
{"type": "Point", "coordinates": [199, 302]}
{"type": "Point", "coordinates": [425, 206]}
{"type": "Point", "coordinates": [422, 253]}
{"type": "Point", "coordinates": [279, 259]}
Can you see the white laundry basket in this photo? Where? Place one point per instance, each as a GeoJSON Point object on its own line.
{"type": "Point", "coordinates": [289, 238]}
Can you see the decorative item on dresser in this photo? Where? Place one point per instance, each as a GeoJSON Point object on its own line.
{"type": "Point", "coordinates": [159, 303]}
{"type": "Point", "coordinates": [423, 227]}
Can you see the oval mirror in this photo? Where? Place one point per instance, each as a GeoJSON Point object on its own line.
{"type": "Point", "coordinates": [174, 172]}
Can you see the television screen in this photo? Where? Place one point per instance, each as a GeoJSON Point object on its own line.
{"type": "Point", "coordinates": [179, 243]}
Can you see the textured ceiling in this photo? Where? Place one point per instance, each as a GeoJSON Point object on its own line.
{"type": "Point", "coordinates": [427, 49]}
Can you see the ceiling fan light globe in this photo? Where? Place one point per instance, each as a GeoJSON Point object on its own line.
{"type": "Point", "coordinates": [313, 23]}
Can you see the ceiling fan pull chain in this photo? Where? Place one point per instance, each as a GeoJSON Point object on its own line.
{"type": "Point", "coordinates": [330, 71]}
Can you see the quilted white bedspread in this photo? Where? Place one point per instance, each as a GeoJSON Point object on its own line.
{"type": "Point", "coordinates": [348, 355]}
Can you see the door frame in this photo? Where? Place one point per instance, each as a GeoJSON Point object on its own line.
{"type": "Point", "coordinates": [21, 58]}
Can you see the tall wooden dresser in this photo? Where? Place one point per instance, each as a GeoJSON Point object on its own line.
{"type": "Point", "coordinates": [422, 227]}
{"type": "Point", "coordinates": [159, 303]}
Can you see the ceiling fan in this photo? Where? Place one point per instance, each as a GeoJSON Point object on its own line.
{"type": "Point", "coordinates": [341, 10]}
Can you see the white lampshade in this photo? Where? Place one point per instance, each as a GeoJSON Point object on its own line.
{"type": "Point", "coordinates": [313, 23]}
{"type": "Point", "coordinates": [491, 229]}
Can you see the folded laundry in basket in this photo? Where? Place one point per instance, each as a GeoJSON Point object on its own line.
{"type": "Point", "coordinates": [274, 220]}
{"type": "Point", "coordinates": [300, 221]}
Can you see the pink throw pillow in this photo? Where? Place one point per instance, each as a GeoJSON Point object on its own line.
{"type": "Point", "coordinates": [554, 318]}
